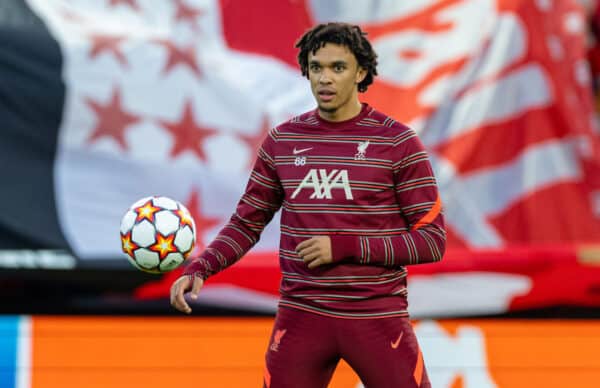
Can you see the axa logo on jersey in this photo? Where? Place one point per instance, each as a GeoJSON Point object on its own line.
{"type": "Point", "coordinates": [322, 182]}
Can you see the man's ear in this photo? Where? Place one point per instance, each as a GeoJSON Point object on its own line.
{"type": "Point", "coordinates": [361, 74]}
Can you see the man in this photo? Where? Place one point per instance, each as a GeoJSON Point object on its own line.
{"type": "Point", "coordinates": [360, 202]}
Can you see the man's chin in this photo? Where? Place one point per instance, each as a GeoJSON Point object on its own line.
{"type": "Point", "coordinates": [327, 109]}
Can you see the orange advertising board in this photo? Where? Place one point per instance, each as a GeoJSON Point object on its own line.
{"type": "Point", "coordinates": [100, 352]}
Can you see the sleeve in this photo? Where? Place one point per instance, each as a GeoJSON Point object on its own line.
{"type": "Point", "coordinates": [261, 200]}
{"type": "Point", "coordinates": [417, 194]}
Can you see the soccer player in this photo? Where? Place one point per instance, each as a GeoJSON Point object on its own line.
{"type": "Point", "coordinates": [359, 203]}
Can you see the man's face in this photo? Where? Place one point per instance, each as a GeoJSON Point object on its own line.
{"type": "Point", "coordinates": [334, 74]}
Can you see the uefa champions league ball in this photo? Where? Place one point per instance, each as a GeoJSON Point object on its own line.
{"type": "Point", "coordinates": [157, 234]}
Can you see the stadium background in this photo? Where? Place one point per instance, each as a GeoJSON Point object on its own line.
{"type": "Point", "coordinates": [103, 102]}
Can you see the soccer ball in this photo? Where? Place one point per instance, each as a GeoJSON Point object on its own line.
{"type": "Point", "coordinates": [157, 234]}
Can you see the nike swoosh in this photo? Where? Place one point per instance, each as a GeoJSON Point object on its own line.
{"type": "Point", "coordinates": [296, 152]}
{"type": "Point", "coordinates": [395, 344]}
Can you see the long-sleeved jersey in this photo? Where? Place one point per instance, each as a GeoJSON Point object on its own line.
{"type": "Point", "coordinates": [367, 183]}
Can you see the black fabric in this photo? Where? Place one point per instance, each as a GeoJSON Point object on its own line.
{"type": "Point", "coordinates": [31, 104]}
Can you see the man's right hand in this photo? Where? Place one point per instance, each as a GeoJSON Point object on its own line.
{"type": "Point", "coordinates": [180, 287]}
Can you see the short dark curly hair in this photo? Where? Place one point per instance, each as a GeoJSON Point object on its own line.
{"type": "Point", "coordinates": [344, 34]}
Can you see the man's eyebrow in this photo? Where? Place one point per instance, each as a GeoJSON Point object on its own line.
{"type": "Point", "coordinates": [335, 63]}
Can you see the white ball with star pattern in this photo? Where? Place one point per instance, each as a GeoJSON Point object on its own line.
{"type": "Point", "coordinates": [157, 234]}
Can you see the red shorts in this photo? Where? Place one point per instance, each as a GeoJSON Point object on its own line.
{"type": "Point", "coordinates": [305, 349]}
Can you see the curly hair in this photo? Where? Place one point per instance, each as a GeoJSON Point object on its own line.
{"type": "Point", "coordinates": [344, 34]}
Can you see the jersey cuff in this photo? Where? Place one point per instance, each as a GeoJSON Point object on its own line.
{"type": "Point", "coordinates": [344, 248]}
{"type": "Point", "coordinates": [197, 267]}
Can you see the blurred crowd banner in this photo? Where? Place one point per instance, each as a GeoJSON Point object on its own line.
{"type": "Point", "coordinates": [92, 352]}
{"type": "Point", "coordinates": [103, 102]}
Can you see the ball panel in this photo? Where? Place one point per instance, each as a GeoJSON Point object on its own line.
{"type": "Point", "coordinates": [127, 245]}
{"type": "Point", "coordinates": [127, 221]}
{"type": "Point", "coordinates": [133, 262]}
{"type": "Point", "coordinates": [166, 222]}
{"type": "Point", "coordinates": [140, 202]}
{"type": "Point", "coordinates": [184, 239]}
{"type": "Point", "coordinates": [182, 207]}
{"type": "Point", "coordinates": [164, 245]}
{"type": "Point", "coordinates": [172, 261]}
{"type": "Point", "coordinates": [186, 215]}
{"type": "Point", "coordinates": [143, 234]}
{"type": "Point", "coordinates": [146, 259]}
{"type": "Point", "coordinates": [165, 202]}
{"type": "Point", "coordinates": [146, 211]}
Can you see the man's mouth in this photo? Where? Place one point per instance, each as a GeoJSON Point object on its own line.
{"type": "Point", "coordinates": [326, 95]}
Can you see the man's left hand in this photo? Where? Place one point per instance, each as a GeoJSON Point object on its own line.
{"type": "Point", "coordinates": [315, 251]}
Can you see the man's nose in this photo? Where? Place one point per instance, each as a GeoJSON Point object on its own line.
{"type": "Point", "coordinates": [325, 77]}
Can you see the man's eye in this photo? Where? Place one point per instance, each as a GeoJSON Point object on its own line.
{"type": "Point", "coordinates": [314, 67]}
{"type": "Point", "coordinates": [339, 68]}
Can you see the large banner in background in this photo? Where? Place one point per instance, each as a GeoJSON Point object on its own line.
{"type": "Point", "coordinates": [173, 98]}
{"type": "Point", "coordinates": [107, 101]}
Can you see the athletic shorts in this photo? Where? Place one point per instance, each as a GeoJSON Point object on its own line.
{"type": "Point", "coordinates": [305, 349]}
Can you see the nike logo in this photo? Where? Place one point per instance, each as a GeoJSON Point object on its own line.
{"type": "Point", "coordinates": [296, 152]}
{"type": "Point", "coordinates": [395, 344]}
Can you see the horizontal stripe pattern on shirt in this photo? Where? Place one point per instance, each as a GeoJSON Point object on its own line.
{"type": "Point", "coordinates": [343, 209]}
{"type": "Point", "coordinates": [368, 184]}
{"type": "Point", "coordinates": [292, 184]}
{"type": "Point", "coordinates": [340, 314]}
{"type": "Point", "coordinates": [334, 161]}
{"type": "Point", "coordinates": [337, 281]}
{"type": "Point", "coordinates": [304, 232]}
